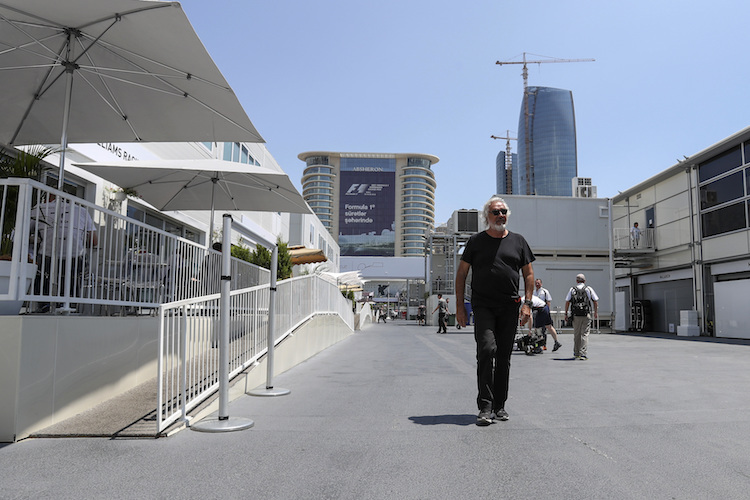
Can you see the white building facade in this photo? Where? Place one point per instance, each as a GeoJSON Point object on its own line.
{"type": "Point", "coordinates": [690, 262]}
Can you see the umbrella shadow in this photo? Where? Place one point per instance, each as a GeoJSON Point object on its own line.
{"type": "Point", "coordinates": [464, 420]}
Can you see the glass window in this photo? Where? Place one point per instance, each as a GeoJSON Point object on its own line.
{"type": "Point", "coordinates": [721, 191]}
{"type": "Point", "coordinates": [747, 152]}
{"type": "Point", "coordinates": [724, 220]}
{"type": "Point", "coordinates": [418, 162]}
{"type": "Point", "coordinates": [720, 164]}
{"type": "Point", "coordinates": [316, 160]}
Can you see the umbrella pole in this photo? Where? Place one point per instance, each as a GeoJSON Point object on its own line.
{"type": "Point", "coordinates": [270, 390]}
{"type": "Point", "coordinates": [223, 423]}
{"type": "Point", "coordinates": [214, 180]}
{"type": "Point", "coordinates": [65, 309]}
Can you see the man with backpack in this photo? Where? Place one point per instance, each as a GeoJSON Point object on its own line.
{"type": "Point", "coordinates": [580, 299]}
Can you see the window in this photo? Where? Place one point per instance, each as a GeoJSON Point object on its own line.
{"type": "Point", "coordinates": [720, 164]}
{"type": "Point", "coordinates": [724, 220]}
{"type": "Point", "coordinates": [721, 191]}
{"type": "Point", "coordinates": [418, 162]}
{"type": "Point", "coordinates": [316, 160]}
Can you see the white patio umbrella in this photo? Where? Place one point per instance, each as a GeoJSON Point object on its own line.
{"type": "Point", "coordinates": [87, 71]}
{"type": "Point", "coordinates": [206, 184]}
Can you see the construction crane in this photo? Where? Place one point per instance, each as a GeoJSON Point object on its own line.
{"type": "Point", "coordinates": [525, 73]}
{"type": "Point", "coordinates": [508, 161]}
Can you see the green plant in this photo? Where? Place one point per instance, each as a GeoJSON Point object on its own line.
{"type": "Point", "coordinates": [261, 256]}
{"type": "Point", "coordinates": [24, 163]}
{"type": "Point", "coordinates": [27, 164]}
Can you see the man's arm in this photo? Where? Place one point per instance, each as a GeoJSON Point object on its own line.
{"type": "Point", "coordinates": [528, 279]}
{"type": "Point", "coordinates": [461, 273]}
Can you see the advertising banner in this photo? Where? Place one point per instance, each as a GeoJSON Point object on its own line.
{"type": "Point", "coordinates": [367, 217]}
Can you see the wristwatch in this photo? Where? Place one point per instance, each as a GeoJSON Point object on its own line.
{"type": "Point", "coordinates": [527, 303]}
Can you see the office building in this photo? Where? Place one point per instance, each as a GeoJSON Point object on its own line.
{"type": "Point", "coordinates": [546, 143]}
{"type": "Point", "coordinates": [374, 204]}
{"type": "Point", "coordinates": [504, 172]}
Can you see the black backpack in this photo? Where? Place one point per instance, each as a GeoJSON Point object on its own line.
{"type": "Point", "coordinates": [579, 301]}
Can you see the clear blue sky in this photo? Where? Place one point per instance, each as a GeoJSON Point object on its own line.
{"type": "Point", "coordinates": [670, 79]}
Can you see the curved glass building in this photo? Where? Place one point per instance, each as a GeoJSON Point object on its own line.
{"type": "Point", "coordinates": [374, 204]}
{"type": "Point", "coordinates": [551, 139]}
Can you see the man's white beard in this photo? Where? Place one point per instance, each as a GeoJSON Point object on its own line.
{"type": "Point", "coordinates": [498, 227]}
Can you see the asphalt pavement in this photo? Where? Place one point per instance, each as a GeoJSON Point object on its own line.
{"type": "Point", "coordinates": [389, 413]}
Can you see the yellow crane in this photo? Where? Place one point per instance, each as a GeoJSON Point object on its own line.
{"type": "Point", "coordinates": [508, 161]}
{"type": "Point", "coordinates": [525, 73]}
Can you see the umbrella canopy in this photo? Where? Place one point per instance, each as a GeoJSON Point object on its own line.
{"type": "Point", "coordinates": [87, 71]}
{"type": "Point", "coordinates": [203, 185]}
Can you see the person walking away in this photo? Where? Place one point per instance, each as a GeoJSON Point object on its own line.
{"type": "Point", "coordinates": [442, 308]}
{"type": "Point", "coordinates": [580, 299]}
{"type": "Point", "coordinates": [546, 320]}
{"type": "Point", "coordinates": [543, 319]}
{"type": "Point", "coordinates": [495, 257]}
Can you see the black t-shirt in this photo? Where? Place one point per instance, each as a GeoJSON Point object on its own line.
{"type": "Point", "coordinates": [495, 266]}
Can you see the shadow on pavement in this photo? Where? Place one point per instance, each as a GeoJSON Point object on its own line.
{"type": "Point", "coordinates": [445, 420]}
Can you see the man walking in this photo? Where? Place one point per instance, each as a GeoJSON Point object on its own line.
{"type": "Point", "coordinates": [580, 299]}
{"type": "Point", "coordinates": [495, 257]}
{"type": "Point", "coordinates": [442, 309]}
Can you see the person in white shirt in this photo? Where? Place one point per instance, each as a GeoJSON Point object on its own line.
{"type": "Point", "coordinates": [635, 235]}
{"type": "Point", "coordinates": [542, 316]}
{"type": "Point", "coordinates": [73, 220]}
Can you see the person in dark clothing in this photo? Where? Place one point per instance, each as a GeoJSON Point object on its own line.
{"type": "Point", "coordinates": [495, 256]}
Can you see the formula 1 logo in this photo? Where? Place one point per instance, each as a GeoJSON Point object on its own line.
{"type": "Point", "coordinates": [356, 189]}
{"type": "Point", "coordinates": [366, 189]}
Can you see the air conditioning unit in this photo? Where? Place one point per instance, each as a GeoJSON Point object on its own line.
{"type": "Point", "coordinates": [582, 188]}
{"type": "Point", "coordinates": [465, 221]}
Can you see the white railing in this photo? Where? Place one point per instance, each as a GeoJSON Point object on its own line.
{"type": "Point", "coordinates": [189, 337]}
{"type": "Point", "coordinates": [625, 240]}
{"type": "Point", "coordinates": [118, 264]}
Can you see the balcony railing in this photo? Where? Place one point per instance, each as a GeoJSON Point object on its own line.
{"type": "Point", "coordinates": [625, 240]}
{"type": "Point", "coordinates": [117, 264]}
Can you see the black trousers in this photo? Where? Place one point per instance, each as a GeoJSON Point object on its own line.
{"type": "Point", "coordinates": [494, 332]}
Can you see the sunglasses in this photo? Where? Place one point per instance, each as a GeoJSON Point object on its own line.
{"type": "Point", "coordinates": [498, 212]}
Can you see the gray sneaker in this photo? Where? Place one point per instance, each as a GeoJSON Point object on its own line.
{"type": "Point", "coordinates": [484, 418]}
{"type": "Point", "coordinates": [501, 414]}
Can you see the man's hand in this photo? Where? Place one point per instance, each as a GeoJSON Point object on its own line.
{"type": "Point", "coordinates": [461, 314]}
{"type": "Point", "coordinates": [525, 314]}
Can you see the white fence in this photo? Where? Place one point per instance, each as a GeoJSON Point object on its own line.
{"type": "Point", "coordinates": [189, 337]}
{"type": "Point", "coordinates": [118, 264]}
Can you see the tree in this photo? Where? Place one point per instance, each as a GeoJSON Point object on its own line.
{"type": "Point", "coordinates": [261, 256]}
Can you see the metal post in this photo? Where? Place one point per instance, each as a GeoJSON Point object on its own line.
{"type": "Point", "coordinates": [222, 423]}
{"type": "Point", "coordinates": [270, 390]}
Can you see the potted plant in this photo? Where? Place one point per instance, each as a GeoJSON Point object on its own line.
{"type": "Point", "coordinates": [25, 164]}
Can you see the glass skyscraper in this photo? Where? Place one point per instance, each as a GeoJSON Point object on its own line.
{"type": "Point", "coordinates": [503, 180]}
{"type": "Point", "coordinates": [551, 139]}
